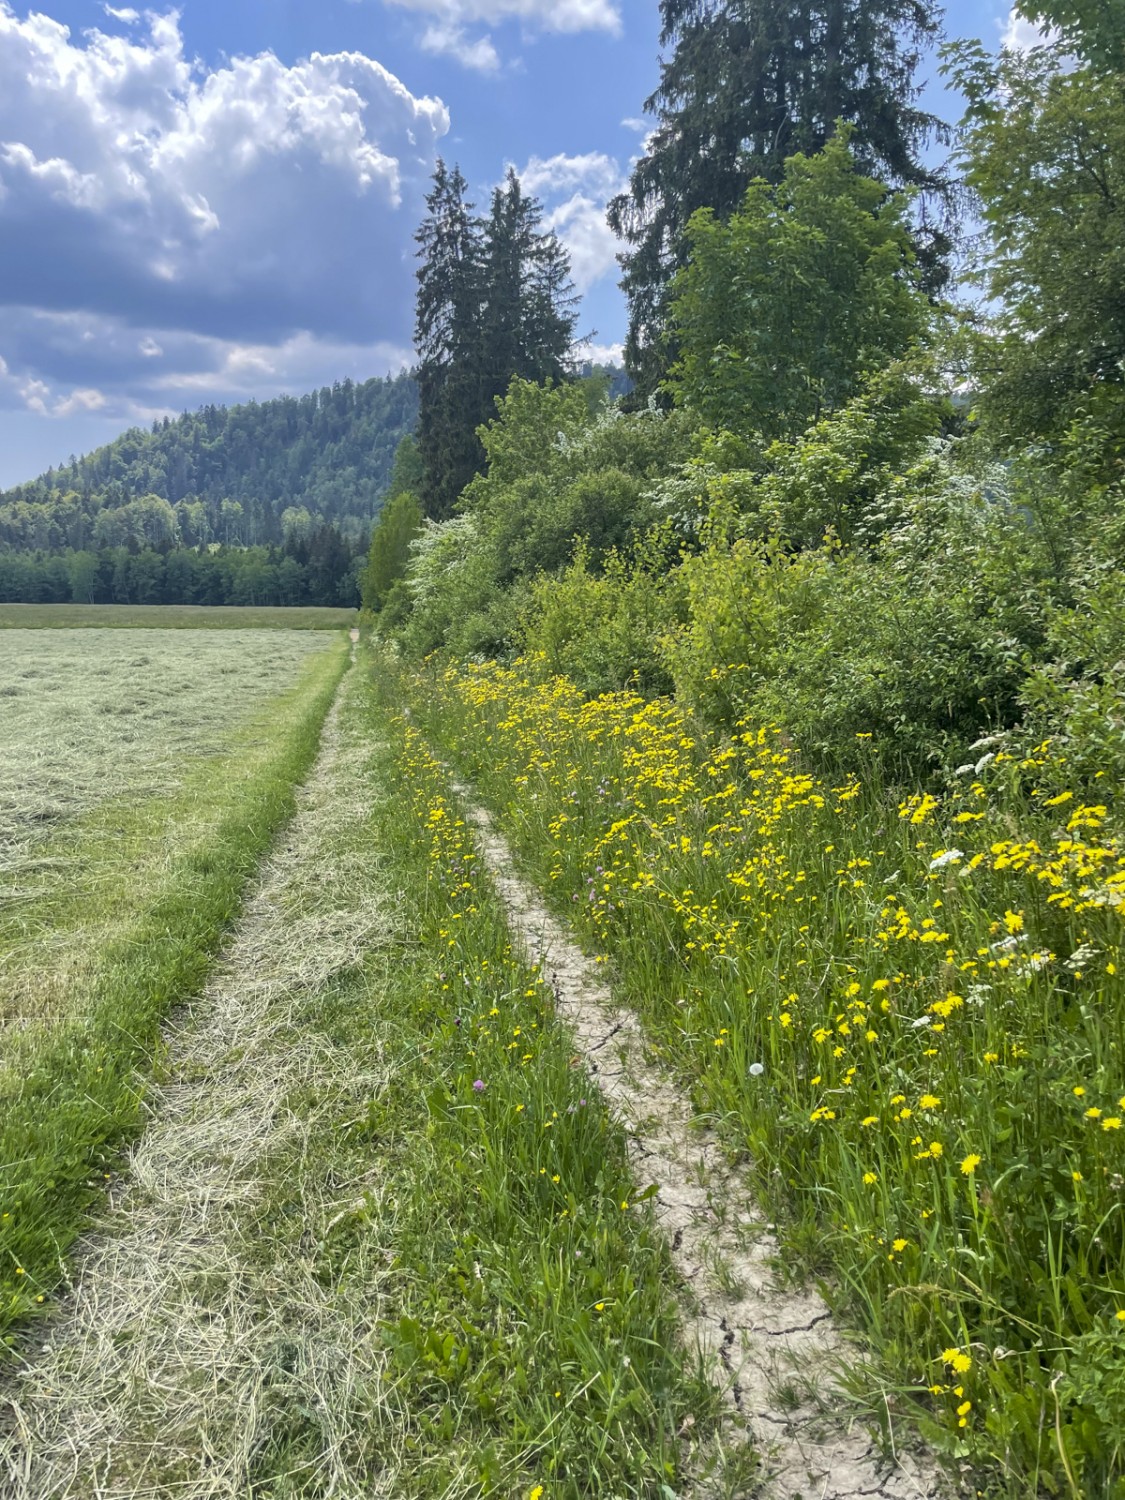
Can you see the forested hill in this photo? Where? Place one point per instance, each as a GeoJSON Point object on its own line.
{"type": "Point", "coordinates": [242, 475]}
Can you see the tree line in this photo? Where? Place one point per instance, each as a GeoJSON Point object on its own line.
{"type": "Point", "coordinates": [321, 569]}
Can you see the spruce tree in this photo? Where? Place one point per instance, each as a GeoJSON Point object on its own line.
{"type": "Point", "coordinates": [494, 301]}
{"type": "Point", "coordinates": [746, 84]}
{"type": "Point", "coordinates": [529, 309]}
{"type": "Point", "coordinates": [448, 320]}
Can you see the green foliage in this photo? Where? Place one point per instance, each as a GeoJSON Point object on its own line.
{"type": "Point", "coordinates": [558, 473]}
{"type": "Point", "coordinates": [838, 476]}
{"type": "Point", "coordinates": [398, 525]}
{"type": "Point", "coordinates": [1043, 147]}
{"type": "Point", "coordinates": [747, 84]}
{"type": "Point", "coordinates": [603, 629]}
{"type": "Point", "coordinates": [784, 308]}
{"type": "Point", "coordinates": [1076, 695]}
{"type": "Point", "coordinates": [921, 639]}
{"type": "Point", "coordinates": [319, 569]}
{"type": "Point", "coordinates": [1093, 29]}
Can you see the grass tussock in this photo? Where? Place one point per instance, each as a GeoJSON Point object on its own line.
{"type": "Point", "coordinates": [72, 1082]}
{"type": "Point", "coordinates": [907, 1010]}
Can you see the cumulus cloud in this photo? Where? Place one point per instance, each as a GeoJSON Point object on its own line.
{"type": "Point", "coordinates": [1020, 35]}
{"type": "Point", "coordinates": [97, 364]}
{"type": "Point", "coordinates": [477, 53]}
{"type": "Point", "coordinates": [448, 29]}
{"type": "Point", "coordinates": [155, 214]}
{"type": "Point", "coordinates": [538, 15]}
{"type": "Point", "coordinates": [575, 191]}
{"type": "Point", "coordinates": [604, 354]}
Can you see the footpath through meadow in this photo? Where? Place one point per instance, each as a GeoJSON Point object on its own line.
{"type": "Point", "coordinates": [772, 1349]}
{"type": "Point", "coordinates": [344, 1260]}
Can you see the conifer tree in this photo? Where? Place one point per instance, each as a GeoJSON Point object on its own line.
{"type": "Point", "coordinates": [448, 321]}
{"type": "Point", "coordinates": [494, 301]}
{"type": "Point", "coordinates": [529, 318]}
{"type": "Point", "coordinates": [746, 84]}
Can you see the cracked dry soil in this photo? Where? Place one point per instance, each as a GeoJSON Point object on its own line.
{"type": "Point", "coordinates": [776, 1354]}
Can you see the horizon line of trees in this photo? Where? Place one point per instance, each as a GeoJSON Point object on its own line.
{"type": "Point", "coordinates": [320, 569]}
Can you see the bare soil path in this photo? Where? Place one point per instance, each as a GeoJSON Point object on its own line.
{"type": "Point", "coordinates": [774, 1349]}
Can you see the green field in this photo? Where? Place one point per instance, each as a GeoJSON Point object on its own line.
{"type": "Point", "coordinates": [142, 776]}
{"type": "Point", "coordinates": [169, 617]}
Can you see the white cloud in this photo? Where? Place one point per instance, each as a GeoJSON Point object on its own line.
{"type": "Point", "coordinates": [82, 400]}
{"type": "Point", "coordinates": [250, 205]}
{"type": "Point", "coordinates": [578, 218]}
{"type": "Point", "coordinates": [1020, 35]}
{"type": "Point", "coordinates": [102, 368]}
{"type": "Point", "coordinates": [604, 354]}
{"type": "Point", "coordinates": [594, 172]}
{"type": "Point", "coordinates": [478, 53]}
{"type": "Point", "coordinates": [126, 14]}
{"type": "Point", "coordinates": [540, 15]}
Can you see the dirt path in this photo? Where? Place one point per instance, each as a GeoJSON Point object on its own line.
{"type": "Point", "coordinates": [197, 1325]}
{"type": "Point", "coordinates": [776, 1350]}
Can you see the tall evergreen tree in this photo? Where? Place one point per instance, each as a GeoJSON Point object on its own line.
{"type": "Point", "coordinates": [494, 301]}
{"type": "Point", "coordinates": [748, 83]}
{"type": "Point", "coordinates": [529, 312]}
{"type": "Point", "coordinates": [448, 340]}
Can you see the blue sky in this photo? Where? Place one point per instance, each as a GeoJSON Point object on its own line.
{"type": "Point", "coordinates": [217, 202]}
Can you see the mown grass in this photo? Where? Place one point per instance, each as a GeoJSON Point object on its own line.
{"type": "Point", "coordinates": [172, 617]}
{"type": "Point", "coordinates": [71, 1091]}
{"type": "Point", "coordinates": [908, 1012]}
{"type": "Point", "coordinates": [91, 716]}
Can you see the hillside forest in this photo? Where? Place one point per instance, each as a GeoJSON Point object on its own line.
{"type": "Point", "coordinates": [266, 503]}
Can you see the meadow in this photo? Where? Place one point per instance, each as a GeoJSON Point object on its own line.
{"type": "Point", "coordinates": [170, 617]}
{"type": "Point", "coordinates": [142, 776]}
{"type": "Point", "coordinates": [903, 1011]}
{"type": "Point", "coordinates": [380, 1233]}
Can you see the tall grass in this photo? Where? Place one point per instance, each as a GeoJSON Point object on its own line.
{"type": "Point", "coordinates": [534, 1350]}
{"type": "Point", "coordinates": [908, 1012]}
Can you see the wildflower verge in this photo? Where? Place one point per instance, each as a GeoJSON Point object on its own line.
{"type": "Point", "coordinates": [777, 1359]}
{"type": "Point", "coordinates": [907, 1014]}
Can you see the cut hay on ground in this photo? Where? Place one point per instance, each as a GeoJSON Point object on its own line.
{"type": "Point", "coordinates": [198, 1330]}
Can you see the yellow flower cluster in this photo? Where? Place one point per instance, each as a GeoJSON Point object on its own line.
{"type": "Point", "coordinates": [843, 974]}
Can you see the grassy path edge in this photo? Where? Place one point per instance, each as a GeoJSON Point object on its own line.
{"type": "Point", "coordinates": [62, 1122]}
{"type": "Point", "coordinates": [762, 1338]}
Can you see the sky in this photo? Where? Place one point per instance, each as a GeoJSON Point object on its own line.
{"type": "Point", "coordinates": [217, 202]}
